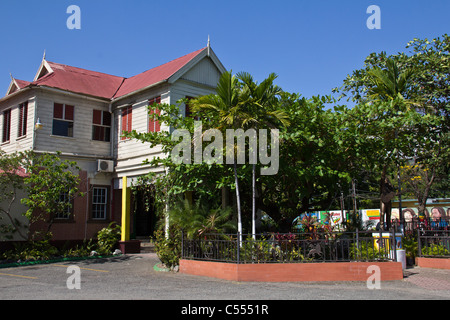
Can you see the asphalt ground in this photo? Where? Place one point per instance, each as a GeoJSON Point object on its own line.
{"type": "Point", "coordinates": [133, 277]}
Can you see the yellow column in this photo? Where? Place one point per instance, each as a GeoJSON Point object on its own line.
{"type": "Point", "coordinates": [126, 204]}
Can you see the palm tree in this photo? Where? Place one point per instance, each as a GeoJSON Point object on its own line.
{"type": "Point", "coordinates": [226, 107]}
{"type": "Point", "coordinates": [389, 85]}
{"type": "Point", "coordinates": [262, 102]}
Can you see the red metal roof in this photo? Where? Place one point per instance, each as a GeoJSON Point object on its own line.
{"type": "Point", "coordinates": [22, 83]}
{"type": "Point", "coordinates": [155, 75]}
{"type": "Point", "coordinates": [80, 81]}
{"type": "Point", "coordinates": [103, 85]}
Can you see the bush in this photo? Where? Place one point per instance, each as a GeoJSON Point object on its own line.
{"type": "Point", "coordinates": [435, 250]}
{"type": "Point", "coordinates": [32, 250]}
{"type": "Point", "coordinates": [168, 249]}
{"type": "Point", "coordinates": [107, 238]}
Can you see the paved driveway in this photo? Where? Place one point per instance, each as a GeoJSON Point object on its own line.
{"type": "Point", "coordinates": [133, 277]}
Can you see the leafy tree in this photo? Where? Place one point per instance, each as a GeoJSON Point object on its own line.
{"type": "Point", "coordinates": [262, 101]}
{"type": "Point", "coordinates": [11, 182]}
{"type": "Point", "coordinates": [311, 164]}
{"type": "Point", "coordinates": [49, 177]}
{"type": "Point", "coordinates": [416, 84]}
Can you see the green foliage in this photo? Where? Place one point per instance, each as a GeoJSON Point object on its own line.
{"type": "Point", "coordinates": [49, 177]}
{"type": "Point", "coordinates": [107, 238]}
{"type": "Point", "coordinates": [32, 250]}
{"type": "Point", "coordinates": [198, 219]}
{"type": "Point", "coordinates": [410, 244]}
{"type": "Point", "coordinates": [168, 248]}
{"type": "Point", "coordinates": [366, 250]}
{"type": "Point", "coordinates": [435, 250]}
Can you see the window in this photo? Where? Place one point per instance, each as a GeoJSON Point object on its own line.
{"type": "Point", "coordinates": [154, 125]}
{"type": "Point", "coordinates": [63, 116]}
{"type": "Point", "coordinates": [99, 203]}
{"type": "Point", "coordinates": [127, 118]}
{"type": "Point", "coordinates": [6, 125]}
{"type": "Point", "coordinates": [65, 214]}
{"type": "Point", "coordinates": [101, 126]}
{"type": "Point", "coordinates": [23, 115]}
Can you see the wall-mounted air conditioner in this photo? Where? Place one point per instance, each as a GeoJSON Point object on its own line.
{"type": "Point", "coordinates": [105, 165]}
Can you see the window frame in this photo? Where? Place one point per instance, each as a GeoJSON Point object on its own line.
{"type": "Point", "coordinates": [103, 126]}
{"type": "Point", "coordinates": [127, 121]}
{"type": "Point", "coordinates": [6, 129]}
{"type": "Point", "coordinates": [154, 125]}
{"type": "Point", "coordinates": [106, 204]}
{"type": "Point", "coordinates": [22, 120]}
{"type": "Point", "coordinates": [67, 117]}
{"type": "Point", "coordinates": [67, 216]}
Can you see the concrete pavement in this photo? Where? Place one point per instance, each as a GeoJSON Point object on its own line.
{"type": "Point", "coordinates": [131, 277]}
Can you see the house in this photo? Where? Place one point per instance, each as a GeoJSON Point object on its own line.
{"type": "Point", "coordinates": [82, 113]}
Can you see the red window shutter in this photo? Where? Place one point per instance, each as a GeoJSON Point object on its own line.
{"type": "Point", "coordinates": [69, 112]}
{"type": "Point", "coordinates": [58, 111]}
{"type": "Point", "coordinates": [97, 117]}
{"type": "Point", "coordinates": [153, 125]}
{"type": "Point", "coordinates": [21, 110]}
{"type": "Point", "coordinates": [126, 120]}
{"type": "Point", "coordinates": [24, 118]}
{"type": "Point", "coordinates": [157, 124]}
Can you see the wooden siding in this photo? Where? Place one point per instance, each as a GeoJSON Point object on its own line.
{"type": "Point", "coordinates": [18, 144]}
{"type": "Point", "coordinates": [81, 143]}
{"type": "Point", "coordinates": [205, 72]}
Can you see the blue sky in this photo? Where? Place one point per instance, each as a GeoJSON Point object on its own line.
{"type": "Point", "coordinates": [311, 45]}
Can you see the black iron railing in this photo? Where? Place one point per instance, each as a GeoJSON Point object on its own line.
{"type": "Point", "coordinates": [292, 247]}
{"type": "Point", "coordinates": [433, 243]}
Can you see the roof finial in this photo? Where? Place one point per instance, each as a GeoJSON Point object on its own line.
{"type": "Point", "coordinates": [209, 45]}
{"type": "Point", "coordinates": [43, 58]}
{"type": "Point", "coordinates": [10, 74]}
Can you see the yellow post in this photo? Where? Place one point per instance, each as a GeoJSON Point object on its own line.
{"type": "Point", "coordinates": [126, 204]}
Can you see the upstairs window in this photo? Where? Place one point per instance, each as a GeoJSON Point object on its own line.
{"type": "Point", "coordinates": [23, 115]}
{"type": "Point", "coordinates": [127, 118]}
{"type": "Point", "coordinates": [101, 126]}
{"type": "Point", "coordinates": [154, 125]}
{"type": "Point", "coordinates": [6, 132]}
{"type": "Point", "coordinates": [63, 116]}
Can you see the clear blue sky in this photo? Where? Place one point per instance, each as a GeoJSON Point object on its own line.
{"type": "Point", "coordinates": [311, 45]}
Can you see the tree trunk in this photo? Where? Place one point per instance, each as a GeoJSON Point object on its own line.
{"type": "Point", "coordinates": [238, 202]}
{"type": "Point", "coordinates": [254, 201]}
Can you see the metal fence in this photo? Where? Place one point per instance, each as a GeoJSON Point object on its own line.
{"type": "Point", "coordinates": [433, 243]}
{"type": "Point", "coordinates": [425, 224]}
{"type": "Point", "coordinates": [292, 247]}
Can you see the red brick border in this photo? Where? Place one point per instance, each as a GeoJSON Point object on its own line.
{"type": "Point", "coordinates": [282, 272]}
{"type": "Point", "coordinates": [437, 263]}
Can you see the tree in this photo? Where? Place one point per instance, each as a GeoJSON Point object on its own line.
{"type": "Point", "coordinates": [262, 102]}
{"type": "Point", "coordinates": [11, 182]}
{"type": "Point", "coordinates": [417, 85]}
{"type": "Point", "coordinates": [311, 163]}
{"type": "Point", "coordinates": [51, 184]}
{"type": "Point", "coordinates": [227, 109]}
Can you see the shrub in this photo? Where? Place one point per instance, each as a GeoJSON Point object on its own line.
{"type": "Point", "coordinates": [107, 238]}
{"type": "Point", "coordinates": [435, 250]}
{"type": "Point", "coordinates": [168, 249]}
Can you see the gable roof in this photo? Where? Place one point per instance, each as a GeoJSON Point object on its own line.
{"type": "Point", "coordinates": [97, 84]}
{"type": "Point", "coordinates": [155, 75]}
{"type": "Point", "coordinates": [79, 81]}
{"type": "Point", "coordinates": [16, 85]}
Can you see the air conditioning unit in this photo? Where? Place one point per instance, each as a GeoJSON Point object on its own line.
{"type": "Point", "coordinates": [105, 165]}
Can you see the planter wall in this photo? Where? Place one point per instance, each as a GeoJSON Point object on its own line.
{"type": "Point", "coordinates": [283, 272]}
{"type": "Point", "coordinates": [437, 263]}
